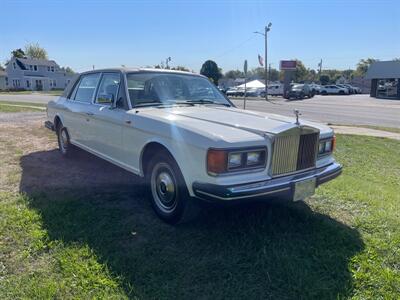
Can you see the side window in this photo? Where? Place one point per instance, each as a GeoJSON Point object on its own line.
{"type": "Point", "coordinates": [87, 87]}
{"type": "Point", "coordinates": [108, 88]}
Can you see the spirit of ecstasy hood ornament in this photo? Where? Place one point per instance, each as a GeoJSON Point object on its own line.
{"type": "Point", "coordinates": [297, 114]}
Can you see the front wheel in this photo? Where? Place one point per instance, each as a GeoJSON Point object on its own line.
{"type": "Point", "coordinates": [169, 196]}
{"type": "Point", "coordinates": [64, 144]}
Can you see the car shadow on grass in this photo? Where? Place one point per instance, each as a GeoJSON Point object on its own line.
{"type": "Point", "coordinates": [254, 251]}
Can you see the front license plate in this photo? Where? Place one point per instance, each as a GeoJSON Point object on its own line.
{"type": "Point", "coordinates": [304, 189]}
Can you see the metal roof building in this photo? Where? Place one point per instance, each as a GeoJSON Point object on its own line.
{"type": "Point", "coordinates": [385, 79]}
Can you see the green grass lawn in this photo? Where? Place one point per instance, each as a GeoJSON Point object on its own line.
{"type": "Point", "coordinates": [383, 128]}
{"type": "Point", "coordinates": [106, 243]}
{"type": "Point", "coordinates": [10, 106]}
{"type": "Point", "coordinates": [389, 129]}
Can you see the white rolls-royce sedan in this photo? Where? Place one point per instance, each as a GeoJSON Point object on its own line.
{"type": "Point", "coordinates": [188, 141]}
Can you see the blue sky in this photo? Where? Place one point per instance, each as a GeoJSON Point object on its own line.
{"type": "Point", "coordinates": [80, 34]}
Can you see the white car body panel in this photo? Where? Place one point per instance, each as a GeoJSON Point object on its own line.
{"type": "Point", "coordinates": [120, 136]}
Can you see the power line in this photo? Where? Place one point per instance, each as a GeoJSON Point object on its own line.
{"type": "Point", "coordinates": [234, 47]}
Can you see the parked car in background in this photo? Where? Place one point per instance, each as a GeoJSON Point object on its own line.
{"type": "Point", "coordinates": [188, 141]}
{"type": "Point", "coordinates": [299, 91]}
{"type": "Point", "coordinates": [333, 90]}
{"type": "Point", "coordinates": [232, 92]}
{"type": "Point", "coordinates": [275, 89]}
{"type": "Point", "coordinates": [357, 89]}
{"type": "Point", "coordinates": [352, 89]}
{"type": "Point", "coordinates": [223, 89]}
{"type": "Point", "coordinates": [315, 88]}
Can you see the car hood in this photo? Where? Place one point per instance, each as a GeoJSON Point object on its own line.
{"type": "Point", "coordinates": [214, 119]}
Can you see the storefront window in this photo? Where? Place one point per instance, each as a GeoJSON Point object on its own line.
{"type": "Point", "coordinates": [388, 88]}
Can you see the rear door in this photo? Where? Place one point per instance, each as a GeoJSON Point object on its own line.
{"type": "Point", "coordinates": [79, 108]}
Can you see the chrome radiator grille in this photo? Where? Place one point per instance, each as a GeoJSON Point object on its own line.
{"type": "Point", "coordinates": [293, 153]}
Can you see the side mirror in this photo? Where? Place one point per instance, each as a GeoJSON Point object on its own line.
{"type": "Point", "coordinates": [106, 99]}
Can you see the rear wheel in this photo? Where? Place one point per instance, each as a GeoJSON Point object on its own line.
{"type": "Point", "coordinates": [169, 196]}
{"type": "Point", "coordinates": [324, 93]}
{"type": "Point", "coordinates": [64, 145]}
{"type": "Point", "coordinates": [341, 93]}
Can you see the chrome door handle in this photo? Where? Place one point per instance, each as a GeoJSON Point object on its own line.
{"type": "Point", "coordinates": [89, 113]}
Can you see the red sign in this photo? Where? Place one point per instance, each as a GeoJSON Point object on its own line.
{"type": "Point", "coordinates": [288, 65]}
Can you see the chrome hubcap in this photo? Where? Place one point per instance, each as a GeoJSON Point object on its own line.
{"type": "Point", "coordinates": [63, 141]}
{"type": "Point", "coordinates": [163, 187]}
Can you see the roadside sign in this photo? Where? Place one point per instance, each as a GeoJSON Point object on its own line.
{"type": "Point", "coordinates": [288, 65]}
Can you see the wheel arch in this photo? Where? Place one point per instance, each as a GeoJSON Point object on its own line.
{"type": "Point", "coordinates": [149, 150]}
{"type": "Point", "coordinates": [57, 121]}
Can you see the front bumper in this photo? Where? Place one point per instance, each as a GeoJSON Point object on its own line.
{"type": "Point", "coordinates": [273, 187]}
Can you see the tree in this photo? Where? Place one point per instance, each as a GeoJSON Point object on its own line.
{"type": "Point", "coordinates": [233, 74]}
{"type": "Point", "coordinates": [18, 53]}
{"type": "Point", "coordinates": [273, 74]}
{"type": "Point", "coordinates": [34, 50]}
{"type": "Point", "coordinates": [324, 79]}
{"type": "Point", "coordinates": [301, 72]}
{"type": "Point", "coordinates": [363, 65]}
{"type": "Point", "coordinates": [68, 70]}
{"type": "Point", "coordinates": [1, 68]}
{"type": "Point", "coordinates": [256, 73]}
{"type": "Point", "coordinates": [210, 70]}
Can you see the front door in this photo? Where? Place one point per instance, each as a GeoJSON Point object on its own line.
{"type": "Point", "coordinates": [107, 120]}
{"type": "Point", "coordinates": [39, 84]}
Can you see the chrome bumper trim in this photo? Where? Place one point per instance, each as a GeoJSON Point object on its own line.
{"type": "Point", "coordinates": [269, 187]}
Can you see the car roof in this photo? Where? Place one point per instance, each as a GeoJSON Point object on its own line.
{"type": "Point", "coordinates": [134, 70]}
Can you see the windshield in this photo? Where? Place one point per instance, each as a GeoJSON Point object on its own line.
{"type": "Point", "coordinates": [158, 88]}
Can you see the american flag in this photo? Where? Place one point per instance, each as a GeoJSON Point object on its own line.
{"type": "Point", "coordinates": [260, 60]}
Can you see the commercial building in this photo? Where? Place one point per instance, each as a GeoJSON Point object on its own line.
{"type": "Point", "coordinates": [385, 77]}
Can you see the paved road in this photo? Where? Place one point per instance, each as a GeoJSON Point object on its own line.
{"type": "Point", "coordinates": [351, 110]}
{"type": "Point", "coordinates": [33, 98]}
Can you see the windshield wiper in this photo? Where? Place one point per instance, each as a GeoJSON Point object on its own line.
{"type": "Point", "coordinates": [162, 104]}
{"type": "Point", "coordinates": [205, 101]}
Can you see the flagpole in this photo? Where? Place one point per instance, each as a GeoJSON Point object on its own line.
{"type": "Point", "coordinates": [267, 28]}
{"type": "Point", "coordinates": [266, 63]}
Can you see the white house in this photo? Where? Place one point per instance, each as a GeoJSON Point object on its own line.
{"type": "Point", "coordinates": [35, 74]}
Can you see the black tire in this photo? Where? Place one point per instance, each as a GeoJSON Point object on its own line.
{"type": "Point", "coordinates": [64, 145]}
{"type": "Point", "coordinates": [341, 93]}
{"type": "Point", "coordinates": [324, 93]}
{"type": "Point", "coordinates": [169, 196]}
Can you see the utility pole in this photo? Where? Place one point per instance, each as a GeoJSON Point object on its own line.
{"type": "Point", "coordinates": [265, 34]}
{"type": "Point", "coordinates": [168, 59]}
{"type": "Point", "coordinates": [320, 67]}
{"type": "Point", "coordinates": [269, 72]}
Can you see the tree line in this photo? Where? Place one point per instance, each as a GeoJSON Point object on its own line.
{"type": "Point", "coordinates": [211, 70]}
